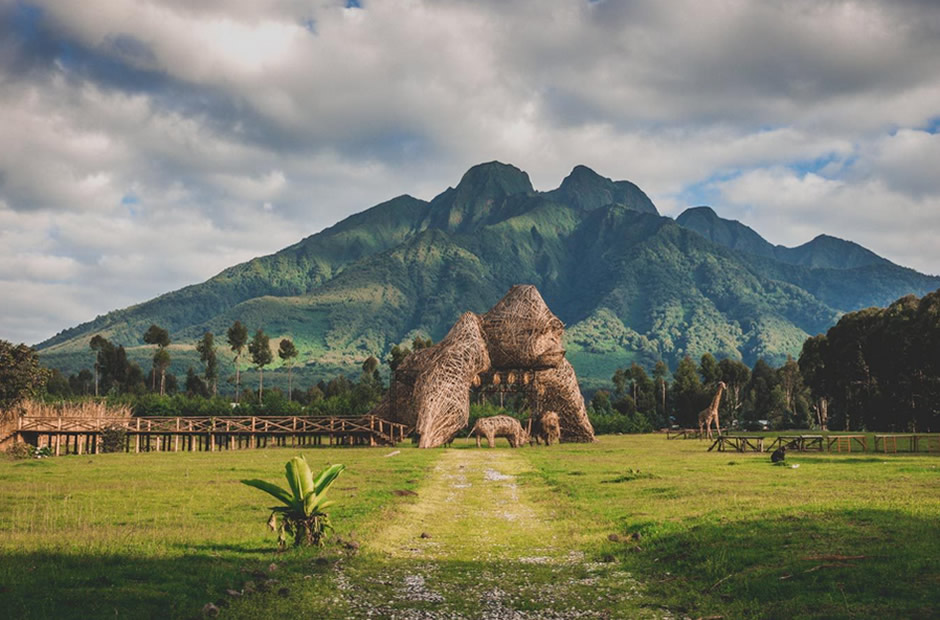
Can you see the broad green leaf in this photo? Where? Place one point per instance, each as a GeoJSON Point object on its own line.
{"type": "Point", "coordinates": [326, 478]}
{"type": "Point", "coordinates": [272, 489]}
{"type": "Point", "coordinates": [306, 478]}
{"type": "Point", "coordinates": [310, 503]}
{"type": "Point", "coordinates": [294, 470]}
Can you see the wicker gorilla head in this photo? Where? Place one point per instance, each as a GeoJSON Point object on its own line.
{"type": "Point", "coordinates": [521, 332]}
{"type": "Point", "coordinates": [431, 388]}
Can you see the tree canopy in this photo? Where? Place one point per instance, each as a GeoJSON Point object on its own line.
{"type": "Point", "coordinates": [21, 375]}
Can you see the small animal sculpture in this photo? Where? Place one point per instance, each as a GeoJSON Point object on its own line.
{"type": "Point", "coordinates": [499, 426]}
{"type": "Point", "coordinates": [548, 429]}
{"type": "Point", "coordinates": [709, 415]}
{"type": "Point", "coordinates": [779, 455]}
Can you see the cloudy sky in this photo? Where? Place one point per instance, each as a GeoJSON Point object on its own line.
{"type": "Point", "coordinates": [148, 144]}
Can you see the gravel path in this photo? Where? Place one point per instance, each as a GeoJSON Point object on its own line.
{"type": "Point", "coordinates": [476, 544]}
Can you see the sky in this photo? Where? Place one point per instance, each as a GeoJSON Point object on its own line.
{"type": "Point", "coordinates": [147, 145]}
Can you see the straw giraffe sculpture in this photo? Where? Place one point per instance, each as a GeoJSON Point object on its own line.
{"type": "Point", "coordinates": [709, 415]}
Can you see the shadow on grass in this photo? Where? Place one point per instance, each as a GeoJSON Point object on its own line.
{"type": "Point", "coordinates": [73, 585]}
{"type": "Point", "coordinates": [814, 564]}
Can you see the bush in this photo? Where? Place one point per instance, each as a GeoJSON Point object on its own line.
{"type": "Point", "coordinates": [27, 451]}
{"type": "Point", "coordinates": [113, 438]}
{"type": "Point", "coordinates": [608, 423]}
{"type": "Point", "coordinates": [21, 450]}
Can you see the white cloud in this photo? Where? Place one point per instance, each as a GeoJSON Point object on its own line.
{"type": "Point", "coordinates": [147, 145]}
{"type": "Point", "coordinates": [789, 209]}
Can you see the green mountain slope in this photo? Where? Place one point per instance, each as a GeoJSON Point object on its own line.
{"type": "Point", "coordinates": [823, 251]}
{"type": "Point", "coordinates": [629, 284]}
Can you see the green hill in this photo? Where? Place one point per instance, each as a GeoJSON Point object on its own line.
{"type": "Point", "coordinates": [630, 284]}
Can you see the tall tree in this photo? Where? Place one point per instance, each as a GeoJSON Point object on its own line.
{"type": "Point", "coordinates": [21, 375]}
{"type": "Point", "coordinates": [98, 344]}
{"type": "Point", "coordinates": [237, 336]}
{"type": "Point", "coordinates": [760, 397]}
{"type": "Point", "coordinates": [288, 352]}
{"type": "Point", "coordinates": [419, 343]}
{"type": "Point", "coordinates": [260, 350]}
{"type": "Point", "coordinates": [813, 367]}
{"type": "Point", "coordinates": [158, 336]}
{"type": "Point", "coordinates": [642, 390]}
{"type": "Point", "coordinates": [687, 392]}
{"type": "Point", "coordinates": [195, 386]}
{"type": "Point", "coordinates": [206, 349]}
{"type": "Point", "coordinates": [710, 370]}
{"type": "Point", "coordinates": [113, 372]}
{"type": "Point", "coordinates": [660, 378]}
{"type": "Point", "coordinates": [396, 356]}
{"type": "Point", "coordinates": [735, 374]}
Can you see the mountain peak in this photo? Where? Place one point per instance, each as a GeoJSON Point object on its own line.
{"type": "Point", "coordinates": [482, 192]}
{"type": "Point", "coordinates": [823, 251]}
{"type": "Point", "coordinates": [587, 190]}
{"type": "Point", "coordinates": [700, 211]}
{"type": "Point", "coordinates": [494, 180]}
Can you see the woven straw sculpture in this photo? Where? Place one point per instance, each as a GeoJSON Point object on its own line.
{"type": "Point", "coordinates": [430, 390]}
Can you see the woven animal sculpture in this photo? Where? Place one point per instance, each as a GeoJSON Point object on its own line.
{"type": "Point", "coordinates": [441, 396]}
{"type": "Point", "coordinates": [710, 414]}
{"type": "Point", "coordinates": [430, 390]}
{"type": "Point", "coordinates": [548, 429]}
{"type": "Point", "coordinates": [499, 426]}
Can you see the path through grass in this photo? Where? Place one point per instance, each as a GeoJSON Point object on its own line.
{"type": "Point", "coordinates": [477, 543]}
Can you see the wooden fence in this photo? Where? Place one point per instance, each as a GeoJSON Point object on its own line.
{"type": "Point", "coordinates": [65, 435]}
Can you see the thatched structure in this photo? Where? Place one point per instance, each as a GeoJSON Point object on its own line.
{"type": "Point", "coordinates": [517, 342]}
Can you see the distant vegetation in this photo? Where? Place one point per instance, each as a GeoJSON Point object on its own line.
{"type": "Point", "coordinates": [877, 369]}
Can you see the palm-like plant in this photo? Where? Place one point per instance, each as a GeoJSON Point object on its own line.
{"type": "Point", "coordinates": [302, 514]}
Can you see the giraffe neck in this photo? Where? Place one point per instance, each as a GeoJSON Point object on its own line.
{"type": "Point", "coordinates": [717, 399]}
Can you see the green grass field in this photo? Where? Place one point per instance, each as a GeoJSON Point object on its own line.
{"type": "Point", "coordinates": [631, 526]}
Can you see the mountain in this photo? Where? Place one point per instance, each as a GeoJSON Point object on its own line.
{"type": "Point", "coordinates": [823, 251]}
{"type": "Point", "coordinates": [630, 285]}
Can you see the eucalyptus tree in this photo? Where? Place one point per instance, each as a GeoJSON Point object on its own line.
{"type": "Point", "coordinates": [288, 352]}
{"type": "Point", "coordinates": [237, 336]}
{"type": "Point", "coordinates": [660, 378]}
{"type": "Point", "coordinates": [260, 350]}
{"type": "Point", "coordinates": [206, 349]}
{"type": "Point", "coordinates": [158, 336]}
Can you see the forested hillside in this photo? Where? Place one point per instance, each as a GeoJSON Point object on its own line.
{"type": "Point", "coordinates": [630, 285]}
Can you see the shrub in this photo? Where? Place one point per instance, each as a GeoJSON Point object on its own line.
{"type": "Point", "coordinates": [113, 438]}
{"type": "Point", "coordinates": [302, 514]}
{"type": "Point", "coordinates": [21, 450]}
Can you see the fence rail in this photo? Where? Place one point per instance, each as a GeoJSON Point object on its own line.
{"type": "Point", "coordinates": [78, 435]}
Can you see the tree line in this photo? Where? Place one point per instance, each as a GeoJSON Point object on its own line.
{"type": "Point", "coordinates": [876, 369]}
{"type": "Point", "coordinates": [755, 397]}
{"type": "Point", "coordinates": [114, 374]}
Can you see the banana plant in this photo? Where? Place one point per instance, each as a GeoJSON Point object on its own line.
{"type": "Point", "coordinates": [302, 514]}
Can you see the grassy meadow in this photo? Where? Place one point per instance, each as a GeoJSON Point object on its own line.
{"type": "Point", "coordinates": [630, 526]}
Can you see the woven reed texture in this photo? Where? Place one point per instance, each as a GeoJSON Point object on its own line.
{"type": "Point", "coordinates": [521, 332]}
{"type": "Point", "coordinates": [499, 426]}
{"type": "Point", "coordinates": [430, 390]}
{"type": "Point", "coordinates": [548, 429]}
{"type": "Point", "coordinates": [442, 389]}
{"type": "Point", "coordinates": [557, 390]}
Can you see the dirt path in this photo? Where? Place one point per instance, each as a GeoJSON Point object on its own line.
{"type": "Point", "coordinates": [479, 543]}
{"type": "Point", "coordinates": [473, 509]}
